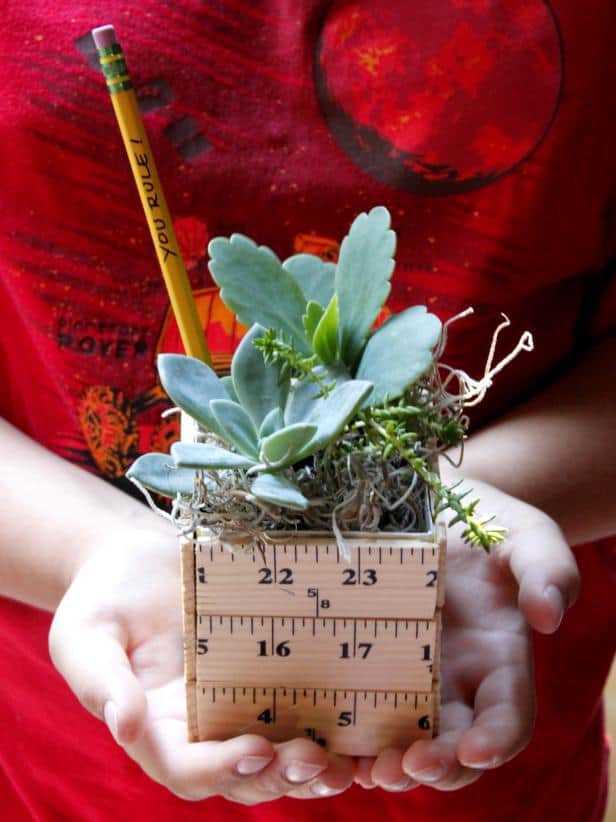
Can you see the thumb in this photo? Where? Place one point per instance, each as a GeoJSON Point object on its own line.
{"type": "Point", "coordinates": [544, 566]}
{"type": "Point", "coordinates": [92, 659]}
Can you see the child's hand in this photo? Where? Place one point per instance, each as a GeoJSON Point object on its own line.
{"type": "Point", "coordinates": [488, 701]}
{"type": "Point", "coordinates": [117, 639]}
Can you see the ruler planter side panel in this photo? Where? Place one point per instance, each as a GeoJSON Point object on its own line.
{"type": "Point", "coordinates": [288, 638]}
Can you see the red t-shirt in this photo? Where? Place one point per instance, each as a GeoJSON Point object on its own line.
{"type": "Point", "coordinates": [485, 126]}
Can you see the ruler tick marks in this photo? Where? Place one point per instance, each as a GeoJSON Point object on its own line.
{"type": "Point", "coordinates": [354, 706]}
{"type": "Point", "coordinates": [423, 555]}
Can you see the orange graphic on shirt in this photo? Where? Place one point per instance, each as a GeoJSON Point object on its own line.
{"type": "Point", "coordinates": [110, 429]}
{"type": "Point", "coordinates": [324, 247]}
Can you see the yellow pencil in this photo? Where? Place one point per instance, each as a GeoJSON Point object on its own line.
{"type": "Point", "coordinates": [150, 191]}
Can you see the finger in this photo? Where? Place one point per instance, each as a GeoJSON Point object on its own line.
{"type": "Point", "coordinates": [435, 762]}
{"type": "Point", "coordinates": [387, 771]}
{"type": "Point", "coordinates": [336, 778]}
{"type": "Point", "coordinates": [303, 770]}
{"type": "Point", "coordinates": [198, 770]}
{"type": "Point", "coordinates": [363, 772]}
{"type": "Point", "coordinates": [93, 661]}
{"type": "Point", "coordinates": [503, 721]}
{"type": "Point", "coordinates": [545, 569]}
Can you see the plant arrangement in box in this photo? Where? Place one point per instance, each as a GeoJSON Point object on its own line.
{"type": "Point", "coordinates": [329, 421]}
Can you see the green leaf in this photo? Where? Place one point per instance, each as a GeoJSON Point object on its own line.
{"type": "Point", "coordinates": [325, 339]}
{"type": "Point", "coordinates": [236, 426]}
{"type": "Point", "coordinates": [274, 421]}
{"type": "Point", "coordinates": [311, 318]}
{"type": "Point", "coordinates": [276, 489]}
{"type": "Point", "coordinates": [281, 449]}
{"type": "Point", "coordinates": [157, 472]}
{"type": "Point", "coordinates": [205, 456]}
{"type": "Point", "coordinates": [305, 395]}
{"type": "Point", "coordinates": [330, 414]}
{"type": "Point", "coordinates": [314, 276]}
{"type": "Point", "coordinates": [258, 386]}
{"type": "Point", "coordinates": [399, 352]}
{"type": "Point", "coordinates": [364, 269]}
{"type": "Point", "coordinates": [256, 287]}
{"type": "Point", "coordinates": [227, 381]}
{"type": "Point", "coordinates": [192, 385]}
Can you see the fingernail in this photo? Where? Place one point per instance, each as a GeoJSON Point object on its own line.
{"type": "Point", "coordinates": [557, 602]}
{"type": "Point", "coordinates": [302, 771]}
{"type": "Point", "coordinates": [319, 789]}
{"type": "Point", "coordinates": [401, 786]}
{"type": "Point", "coordinates": [110, 715]}
{"type": "Point", "coordinates": [252, 764]}
{"type": "Point", "coordinates": [483, 765]}
{"type": "Point", "coordinates": [432, 774]}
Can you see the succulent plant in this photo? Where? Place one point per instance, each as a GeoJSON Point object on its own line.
{"type": "Point", "coordinates": [315, 391]}
{"type": "Point", "coordinates": [266, 419]}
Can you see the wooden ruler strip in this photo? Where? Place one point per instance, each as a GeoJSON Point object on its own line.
{"type": "Point", "coordinates": [312, 579]}
{"type": "Point", "coordinates": [360, 723]}
{"type": "Point", "coordinates": [379, 654]}
{"type": "Point", "coordinates": [189, 620]}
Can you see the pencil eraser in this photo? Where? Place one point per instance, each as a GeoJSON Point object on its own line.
{"type": "Point", "coordinates": [104, 36]}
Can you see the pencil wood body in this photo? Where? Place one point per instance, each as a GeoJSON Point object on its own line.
{"type": "Point", "coordinates": [151, 193]}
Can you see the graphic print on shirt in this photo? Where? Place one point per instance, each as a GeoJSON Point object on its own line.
{"type": "Point", "coordinates": [395, 80]}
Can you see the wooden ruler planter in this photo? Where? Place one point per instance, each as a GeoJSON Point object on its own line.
{"type": "Point", "coordinates": [288, 638]}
